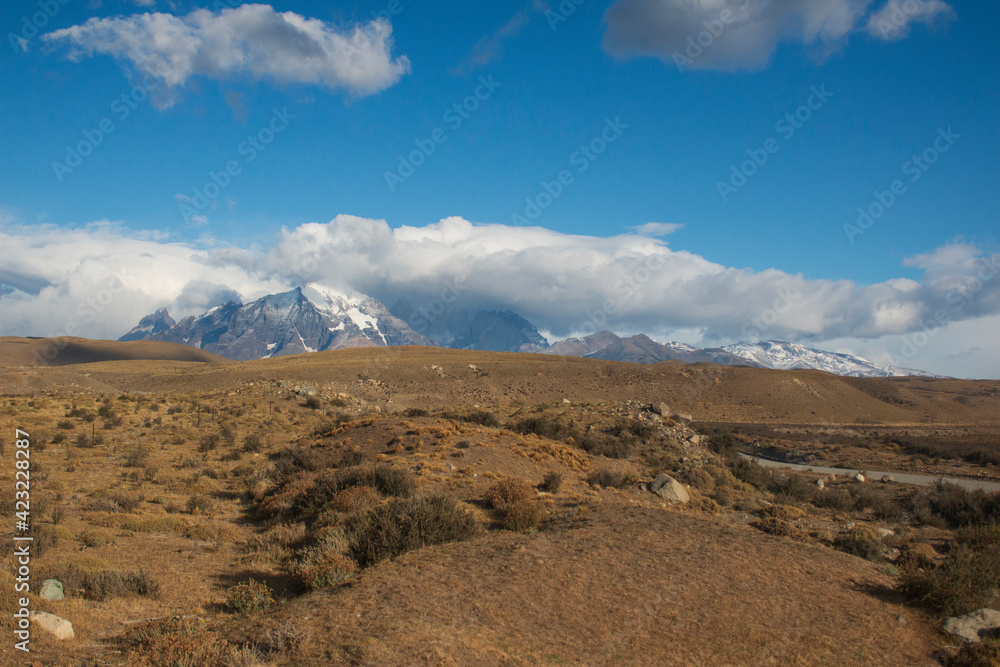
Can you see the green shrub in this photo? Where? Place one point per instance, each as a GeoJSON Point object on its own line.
{"type": "Point", "coordinates": [405, 524]}
{"type": "Point", "coordinates": [249, 597]}
{"type": "Point", "coordinates": [965, 581]}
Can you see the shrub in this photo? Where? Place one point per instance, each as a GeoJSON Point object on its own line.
{"type": "Point", "coordinates": [551, 483]}
{"type": "Point", "coordinates": [176, 643]}
{"type": "Point", "coordinates": [136, 456]}
{"type": "Point", "coordinates": [323, 566]}
{"type": "Point", "coordinates": [95, 538]}
{"type": "Point", "coordinates": [599, 444]}
{"type": "Point", "coordinates": [965, 581]}
{"type": "Point", "coordinates": [405, 524]}
{"type": "Point", "coordinates": [791, 487]}
{"type": "Point", "coordinates": [209, 442]}
{"type": "Point", "coordinates": [961, 507]}
{"type": "Point", "coordinates": [414, 412]}
{"type": "Point", "coordinates": [611, 479]}
{"type": "Point", "coordinates": [523, 516]}
{"type": "Point", "coordinates": [312, 402]}
{"type": "Point", "coordinates": [253, 443]}
{"type": "Point", "coordinates": [249, 597]}
{"type": "Point", "coordinates": [861, 541]}
{"type": "Point", "coordinates": [384, 478]}
{"type": "Point", "coordinates": [66, 425]}
{"type": "Point", "coordinates": [983, 654]}
{"type": "Point", "coordinates": [481, 417]}
{"type": "Point", "coordinates": [106, 584]}
{"type": "Point", "coordinates": [776, 526]}
{"type": "Point", "coordinates": [45, 537]}
{"type": "Point", "coordinates": [505, 493]}
{"type": "Point", "coordinates": [545, 427]}
{"type": "Point", "coordinates": [351, 458]}
{"type": "Point", "coordinates": [750, 472]}
{"type": "Point", "coordinates": [199, 503]}
{"type": "Point", "coordinates": [835, 499]}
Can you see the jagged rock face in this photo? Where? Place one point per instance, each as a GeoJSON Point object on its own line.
{"type": "Point", "coordinates": [308, 319]}
{"type": "Point", "coordinates": [150, 326]}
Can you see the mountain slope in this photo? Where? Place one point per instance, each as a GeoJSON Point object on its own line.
{"type": "Point", "coordinates": [792, 356]}
{"type": "Point", "coordinates": [306, 319]}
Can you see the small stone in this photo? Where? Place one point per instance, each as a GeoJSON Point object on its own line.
{"type": "Point", "coordinates": [859, 478]}
{"type": "Point", "coordinates": [60, 628]}
{"type": "Point", "coordinates": [884, 532]}
{"type": "Point", "coordinates": [888, 478]}
{"type": "Point", "coordinates": [695, 439]}
{"type": "Point", "coordinates": [681, 417]}
{"type": "Point", "coordinates": [901, 619]}
{"type": "Point", "coordinates": [661, 409]}
{"type": "Point", "coordinates": [820, 483]}
{"type": "Point", "coordinates": [52, 589]}
{"type": "Point", "coordinates": [565, 400]}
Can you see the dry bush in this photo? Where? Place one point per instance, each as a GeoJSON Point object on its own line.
{"type": "Point", "coordinates": [100, 586]}
{"type": "Point", "coordinates": [961, 507]}
{"type": "Point", "coordinates": [199, 503]}
{"type": "Point", "coordinates": [405, 524]}
{"type": "Point", "coordinates": [507, 492]}
{"type": "Point", "coordinates": [386, 479]}
{"type": "Point", "coordinates": [599, 444]}
{"type": "Point", "coordinates": [250, 597]}
{"type": "Point", "coordinates": [481, 417]}
{"type": "Point", "coordinates": [160, 524]}
{"type": "Point", "coordinates": [783, 512]}
{"type": "Point", "coordinates": [323, 565]}
{"type": "Point", "coordinates": [984, 654]}
{"type": "Point", "coordinates": [966, 580]}
{"type": "Point", "coordinates": [862, 541]}
{"type": "Point", "coordinates": [354, 499]}
{"type": "Point", "coordinates": [837, 499]}
{"type": "Point", "coordinates": [175, 643]}
{"type": "Point", "coordinates": [273, 545]}
{"type": "Point", "coordinates": [775, 526]}
{"type": "Point", "coordinates": [523, 516]}
{"type": "Point", "coordinates": [551, 483]}
{"type": "Point", "coordinates": [95, 538]}
{"type": "Point", "coordinates": [612, 479]}
{"type": "Point", "coordinates": [286, 638]}
{"type": "Point", "coordinates": [750, 472]}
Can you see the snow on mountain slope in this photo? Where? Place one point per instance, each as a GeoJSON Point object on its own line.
{"type": "Point", "coordinates": [790, 356]}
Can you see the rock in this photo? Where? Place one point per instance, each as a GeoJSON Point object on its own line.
{"type": "Point", "coordinates": [661, 409]}
{"type": "Point", "coordinates": [679, 417]}
{"type": "Point", "coordinates": [859, 478]}
{"type": "Point", "coordinates": [565, 400]}
{"type": "Point", "coordinates": [60, 628]}
{"type": "Point", "coordinates": [972, 628]}
{"type": "Point", "coordinates": [669, 489]}
{"type": "Point", "coordinates": [888, 478]}
{"type": "Point", "coordinates": [820, 483]}
{"type": "Point", "coordinates": [52, 589]}
{"type": "Point", "coordinates": [884, 532]}
{"type": "Point", "coordinates": [695, 439]}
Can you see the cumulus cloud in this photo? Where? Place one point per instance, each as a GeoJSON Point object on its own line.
{"type": "Point", "coordinates": [744, 34]}
{"type": "Point", "coordinates": [565, 284]}
{"type": "Point", "coordinates": [249, 40]}
{"type": "Point", "coordinates": [658, 228]}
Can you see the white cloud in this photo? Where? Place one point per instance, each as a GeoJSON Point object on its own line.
{"type": "Point", "coordinates": [490, 48]}
{"type": "Point", "coordinates": [744, 34]}
{"type": "Point", "coordinates": [249, 40]}
{"type": "Point", "coordinates": [563, 283]}
{"type": "Point", "coordinates": [893, 21]}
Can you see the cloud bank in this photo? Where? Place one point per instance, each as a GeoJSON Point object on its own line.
{"type": "Point", "coordinates": [565, 284]}
{"type": "Point", "coordinates": [744, 34]}
{"type": "Point", "coordinates": [249, 40]}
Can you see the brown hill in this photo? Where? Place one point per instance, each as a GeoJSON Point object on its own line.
{"type": "Point", "coordinates": [72, 351]}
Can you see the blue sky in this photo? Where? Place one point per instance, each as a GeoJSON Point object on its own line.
{"type": "Point", "coordinates": [560, 84]}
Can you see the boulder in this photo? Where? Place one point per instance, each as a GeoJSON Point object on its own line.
{"type": "Point", "coordinates": [669, 489]}
{"type": "Point", "coordinates": [859, 478]}
{"type": "Point", "coordinates": [888, 478]}
{"type": "Point", "coordinates": [52, 589]}
{"type": "Point", "coordinates": [695, 439]}
{"type": "Point", "coordinates": [680, 417]}
{"type": "Point", "coordinates": [973, 628]}
{"type": "Point", "coordinates": [661, 409]}
{"type": "Point", "coordinates": [820, 483]}
{"type": "Point", "coordinates": [60, 628]}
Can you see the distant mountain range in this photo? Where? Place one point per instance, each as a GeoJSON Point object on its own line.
{"type": "Point", "coordinates": [315, 318]}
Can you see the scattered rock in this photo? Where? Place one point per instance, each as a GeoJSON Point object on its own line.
{"type": "Point", "coordinates": [820, 483]}
{"type": "Point", "coordinates": [901, 619]}
{"type": "Point", "coordinates": [661, 409]}
{"type": "Point", "coordinates": [974, 627]}
{"type": "Point", "coordinates": [565, 400]}
{"type": "Point", "coordinates": [682, 418]}
{"type": "Point", "coordinates": [52, 589]}
{"type": "Point", "coordinates": [669, 489]}
{"type": "Point", "coordinates": [60, 628]}
{"type": "Point", "coordinates": [695, 439]}
{"type": "Point", "coordinates": [885, 532]}
{"type": "Point", "coordinates": [888, 478]}
{"type": "Point", "coordinates": [859, 478]}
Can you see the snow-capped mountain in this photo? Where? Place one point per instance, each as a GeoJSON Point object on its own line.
{"type": "Point", "coordinates": [792, 356]}
{"type": "Point", "coordinates": [307, 319]}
